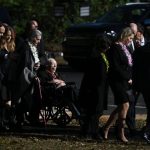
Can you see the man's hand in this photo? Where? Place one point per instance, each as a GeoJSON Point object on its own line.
{"type": "Point", "coordinates": [130, 81]}
{"type": "Point", "coordinates": [37, 66]}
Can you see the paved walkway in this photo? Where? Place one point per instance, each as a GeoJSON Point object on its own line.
{"type": "Point", "coordinates": [140, 111]}
{"type": "Point", "coordinates": [138, 116]}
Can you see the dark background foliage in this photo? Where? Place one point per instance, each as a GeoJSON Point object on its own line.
{"type": "Point", "coordinates": [43, 11]}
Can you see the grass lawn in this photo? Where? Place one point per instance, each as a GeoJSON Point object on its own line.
{"type": "Point", "coordinates": [67, 139]}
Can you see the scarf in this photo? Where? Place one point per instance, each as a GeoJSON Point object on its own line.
{"type": "Point", "coordinates": [127, 53]}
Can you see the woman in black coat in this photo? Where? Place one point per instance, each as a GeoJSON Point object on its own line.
{"type": "Point", "coordinates": [120, 75]}
{"type": "Point", "coordinates": [7, 57]}
{"type": "Point", "coordinates": [93, 90]}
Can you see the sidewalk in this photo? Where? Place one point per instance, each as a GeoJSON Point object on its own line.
{"type": "Point", "coordinates": [138, 116]}
{"type": "Point", "coordinates": [141, 116]}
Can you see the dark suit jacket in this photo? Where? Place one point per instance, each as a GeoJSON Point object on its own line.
{"type": "Point", "coordinates": [25, 74]}
{"type": "Point", "coordinates": [40, 48]}
{"type": "Point", "coordinates": [93, 90]}
{"type": "Point", "coordinates": [3, 63]}
{"type": "Point", "coordinates": [136, 45]}
{"type": "Point", "coordinates": [141, 68]}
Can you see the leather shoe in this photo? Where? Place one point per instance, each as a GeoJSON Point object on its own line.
{"type": "Point", "coordinates": [147, 137]}
{"type": "Point", "coordinates": [97, 137]}
{"type": "Point", "coordinates": [102, 133]}
{"type": "Point", "coordinates": [133, 132]}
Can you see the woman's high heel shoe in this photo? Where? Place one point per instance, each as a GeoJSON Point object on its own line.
{"type": "Point", "coordinates": [122, 139]}
{"type": "Point", "coordinates": [121, 136]}
{"type": "Point", "coordinates": [104, 133]}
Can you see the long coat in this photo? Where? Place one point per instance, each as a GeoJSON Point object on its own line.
{"type": "Point", "coordinates": [141, 68]}
{"type": "Point", "coordinates": [93, 90]}
{"type": "Point", "coordinates": [3, 63]}
{"type": "Point", "coordinates": [119, 73]}
{"type": "Point", "coordinates": [141, 75]}
{"type": "Point", "coordinates": [25, 75]}
{"type": "Point", "coordinates": [4, 67]}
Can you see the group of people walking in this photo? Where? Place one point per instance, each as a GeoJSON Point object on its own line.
{"type": "Point", "coordinates": [122, 65]}
{"type": "Point", "coordinates": [20, 60]}
{"type": "Point", "coordinates": [28, 78]}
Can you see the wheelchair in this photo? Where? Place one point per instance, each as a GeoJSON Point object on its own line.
{"type": "Point", "coordinates": [59, 105]}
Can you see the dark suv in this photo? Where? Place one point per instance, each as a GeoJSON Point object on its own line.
{"type": "Point", "coordinates": [4, 16]}
{"type": "Point", "coordinates": [79, 39]}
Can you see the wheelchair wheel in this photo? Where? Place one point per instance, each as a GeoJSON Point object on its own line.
{"type": "Point", "coordinates": [61, 115]}
{"type": "Point", "coordinates": [45, 115]}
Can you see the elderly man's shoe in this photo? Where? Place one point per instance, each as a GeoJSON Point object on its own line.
{"type": "Point", "coordinates": [97, 137]}
{"type": "Point", "coordinates": [147, 137]}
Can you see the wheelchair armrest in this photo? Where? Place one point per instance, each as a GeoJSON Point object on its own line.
{"type": "Point", "coordinates": [70, 83]}
{"type": "Point", "coordinates": [48, 85]}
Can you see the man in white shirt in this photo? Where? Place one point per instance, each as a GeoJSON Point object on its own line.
{"type": "Point", "coordinates": [134, 29]}
{"type": "Point", "coordinates": [139, 38]}
{"type": "Point", "coordinates": [138, 41]}
{"type": "Point", "coordinates": [29, 64]}
{"type": "Point", "coordinates": [33, 42]}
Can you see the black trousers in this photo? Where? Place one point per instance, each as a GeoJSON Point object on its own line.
{"type": "Point", "coordinates": [90, 125]}
{"type": "Point", "coordinates": [131, 114]}
{"type": "Point", "coordinates": [146, 97]}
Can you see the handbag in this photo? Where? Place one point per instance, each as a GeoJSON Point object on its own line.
{"type": "Point", "coordinates": [130, 95]}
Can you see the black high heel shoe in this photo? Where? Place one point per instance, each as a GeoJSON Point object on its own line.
{"type": "Point", "coordinates": [120, 134]}
{"type": "Point", "coordinates": [102, 132]}
{"type": "Point", "coordinates": [122, 140]}
{"type": "Point", "coordinates": [146, 137]}
{"type": "Point", "coordinates": [97, 137]}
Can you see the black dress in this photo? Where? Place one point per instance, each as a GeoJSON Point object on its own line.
{"type": "Point", "coordinates": [120, 73]}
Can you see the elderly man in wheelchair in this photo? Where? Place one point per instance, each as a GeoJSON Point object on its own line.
{"type": "Point", "coordinates": [59, 97]}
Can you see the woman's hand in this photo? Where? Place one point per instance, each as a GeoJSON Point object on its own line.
{"type": "Point", "coordinates": [130, 81]}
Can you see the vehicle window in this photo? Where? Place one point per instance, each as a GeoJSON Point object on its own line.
{"type": "Point", "coordinates": [123, 15]}
{"type": "Point", "coordinates": [116, 15]}
{"type": "Point", "coordinates": [137, 14]}
{"type": "Point", "coordinates": [4, 16]}
{"type": "Point", "coordinates": [147, 24]}
{"type": "Point", "coordinates": [148, 15]}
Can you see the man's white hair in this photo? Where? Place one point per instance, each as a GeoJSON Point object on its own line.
{"type": "Point", "coordinates": [51, 61]}
{"type": "Point", "coordinates": [35, 33]}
